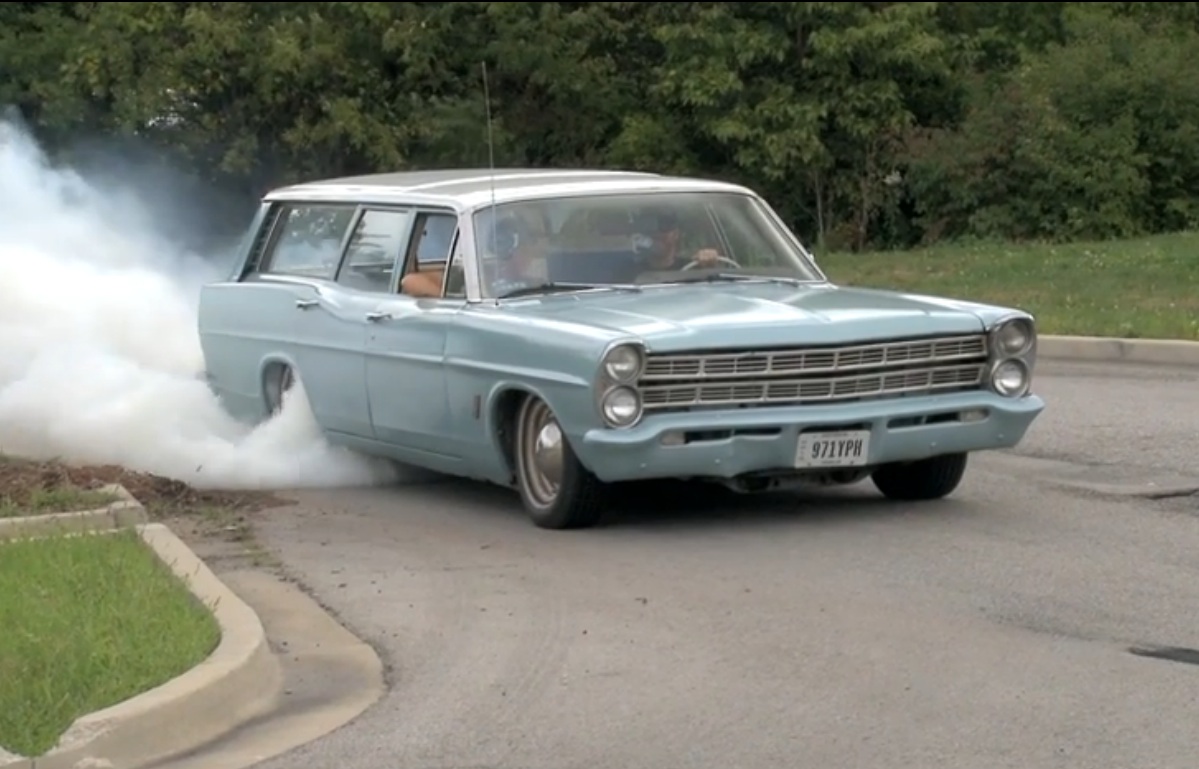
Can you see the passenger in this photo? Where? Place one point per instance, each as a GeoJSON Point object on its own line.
{"type": "Point", "coordinates": [520, 260]}
{"type": "Point", "coordinates": [423, 284]}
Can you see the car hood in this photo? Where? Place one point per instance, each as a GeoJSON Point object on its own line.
{"type": "Point", "coordinates": [679, 317]}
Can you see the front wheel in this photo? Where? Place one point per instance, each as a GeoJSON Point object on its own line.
{"type": "Point", "coordinates": [557, 491]}
{"type": "Point", "coordinates": [926, 479]}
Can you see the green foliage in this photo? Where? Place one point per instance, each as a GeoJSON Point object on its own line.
{"type": "Point", "coordinates": [992, 37]}
{"type": "Point", "coordinates": [867, 124]}
{"type": "Point", "coordinates": [1096, 136]}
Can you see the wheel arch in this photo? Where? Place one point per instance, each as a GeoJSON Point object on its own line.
{"type": "Point", "coordinates": [503, 405]}
{"type": "Point", "coordinates": [268, 367]}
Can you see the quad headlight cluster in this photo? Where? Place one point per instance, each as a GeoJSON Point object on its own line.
{"type": "Point", "coordinates": [1013, 344]}
{"type": "Point", "coordinates": [619, 400]}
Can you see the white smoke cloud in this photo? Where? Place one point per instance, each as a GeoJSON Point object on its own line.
{"type": "Point", "coordinates": [99, 355]}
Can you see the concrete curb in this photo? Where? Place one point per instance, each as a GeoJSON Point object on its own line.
{"type": "Point", "coordinates": [1166, 352]}
{"type": "Point", "coordinates": [240, 681]}
{"type": "Point", "coordinates": [115, 515]}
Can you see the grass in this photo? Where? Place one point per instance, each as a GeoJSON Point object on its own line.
{"type": "Point", "coordinates": [89, 621]}
{"type": "Point", "coordinates": [86, 622]}
{"type": "Point", "coordinates": [55, 500]}
{"type": "Point", "coordinates": [1141, 288]}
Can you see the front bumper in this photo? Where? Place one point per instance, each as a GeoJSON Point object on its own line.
{"type": "Point", "coordinates": [730, 443]}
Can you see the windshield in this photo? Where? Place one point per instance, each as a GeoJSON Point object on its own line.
{"type": "Point", "coordinates": [614, 240]}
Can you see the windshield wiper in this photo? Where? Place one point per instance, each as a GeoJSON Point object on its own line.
{"type": "Point", "coordinates": [553, 287]}
{"type": "Point", "coordinates": [736, 277]}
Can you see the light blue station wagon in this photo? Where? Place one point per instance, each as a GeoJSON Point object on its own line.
{"type": "Point", "coordinates": [562, 331]}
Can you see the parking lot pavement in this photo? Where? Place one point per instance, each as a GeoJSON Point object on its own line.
{"type": "Point", "coordinates": [816, 630]}
{"type": "Point", "coordinates": [1130, 418]}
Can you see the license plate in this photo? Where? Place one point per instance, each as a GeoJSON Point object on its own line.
{"type": "Point", "coordinates": [849, 448]}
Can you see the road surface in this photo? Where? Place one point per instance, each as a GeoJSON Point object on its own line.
{"type": "Point", "coordinates": [830, 630]}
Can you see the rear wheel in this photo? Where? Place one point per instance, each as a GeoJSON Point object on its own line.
{"type": "Point", "coordinates": [925, 479]}
{"type": "Point", "coordinates": [557, 491]}
{"type": "Point", "coordinates": [278, 383]}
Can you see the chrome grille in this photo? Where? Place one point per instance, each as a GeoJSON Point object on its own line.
{"type": "Point", "coordinates": [813, 360]}
{"type": "Point", "coordinates": [813, 375]}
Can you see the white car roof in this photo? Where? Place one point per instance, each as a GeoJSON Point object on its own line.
{"type": "Point", "coordinates": [464, 189]}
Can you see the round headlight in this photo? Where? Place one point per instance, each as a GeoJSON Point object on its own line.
{"type": "Point", "coordinates": [1013, 338]}
{"type": "Point", "coordinates": [623, 363]}
{"type": "Point", "coordinates": [1010, 378]}
{"type": "Point", "coordinates": [622, 406]}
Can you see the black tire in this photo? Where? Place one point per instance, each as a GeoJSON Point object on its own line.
{"type": "Point", "coordinates": [280, 381]}
{"type": "Point", "coordinates": [576, 501]}
{"type": "Point", "coordinates": [931, 478]}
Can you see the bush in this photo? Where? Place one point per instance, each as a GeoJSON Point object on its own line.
{"type": "Point", "coordinates": [1094, 138]}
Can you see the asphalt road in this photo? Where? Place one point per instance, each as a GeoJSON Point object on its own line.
{"type": "Point", "coordinates": [818, 630]}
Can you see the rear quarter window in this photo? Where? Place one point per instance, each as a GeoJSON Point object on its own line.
{"type": "Point", "coordinates": [309, 241]}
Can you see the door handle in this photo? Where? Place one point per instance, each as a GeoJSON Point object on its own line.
{"type": "Point", "coordinates": [305, 304]}
{"type": "Point", "coordinates": [377, 316]}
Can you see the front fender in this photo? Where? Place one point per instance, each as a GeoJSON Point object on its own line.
{"type": "Point", "coordinates": [573, 402]}
{"type": "Point", "coordinates": [490, 353]}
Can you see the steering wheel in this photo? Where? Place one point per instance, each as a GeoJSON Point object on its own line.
{"type": "Point", "coordinates": [722, 259]}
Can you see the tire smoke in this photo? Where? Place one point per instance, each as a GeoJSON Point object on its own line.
{"type": "Point", "coordinates": [99, 356]}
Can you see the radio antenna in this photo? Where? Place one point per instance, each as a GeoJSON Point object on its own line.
{"type": "Point", "coordinates": [490, 163]}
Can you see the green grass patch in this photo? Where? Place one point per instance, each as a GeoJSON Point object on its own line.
{"type": "Point", "coordinates": [56, 500]}
{"type": "Point", "coordinates": [1129, 288]}
{"type": "Point", "coordinates": [87, 622]}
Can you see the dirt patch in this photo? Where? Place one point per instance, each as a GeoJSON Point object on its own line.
{"type": "Point", "coordinates": [22, 479]}
{"type": "Point", "coordinates": [217, 525]}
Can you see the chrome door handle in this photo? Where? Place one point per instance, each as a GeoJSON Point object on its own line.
{"type": "Point", "coordinates": [376, 316]}
{"type": "Point", "coordinates": [304, 304]}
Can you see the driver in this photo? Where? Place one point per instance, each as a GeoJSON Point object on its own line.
{"type": "Point", "coordinates": [664, 252]}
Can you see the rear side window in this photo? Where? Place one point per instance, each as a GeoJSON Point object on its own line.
{"type": "Point", "coordinates": [374, 249]}
{"type": "Point", "coordinates": [309, 241]}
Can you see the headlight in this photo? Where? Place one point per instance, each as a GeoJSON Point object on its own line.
{"type": "Point", "coordinates": [1013, 338]}
{"type": "Point", "coordinates": [621, 406]}
{"type": "Point", "coordinates": [1011, 378]}
{"type": "Point", "coordinates": [623, 363]}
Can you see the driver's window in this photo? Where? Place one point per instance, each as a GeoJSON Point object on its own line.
{"type": "Point", "coordinates": [434, 235]}
{"type": "Point", "coordinates": [375, 246]}
{"type": "Point", "coordinates": [428, 254]}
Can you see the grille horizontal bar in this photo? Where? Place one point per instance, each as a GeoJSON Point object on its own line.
{"type": "Point", "coordinates": [810, 360]}
{"type": "Point", "coordinates": [812, 389]}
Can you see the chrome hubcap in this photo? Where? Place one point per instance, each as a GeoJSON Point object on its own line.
{"type": "Point", "coordinates": [542, 455]}
{"type": "Point", "coordinates": [548, 453]}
